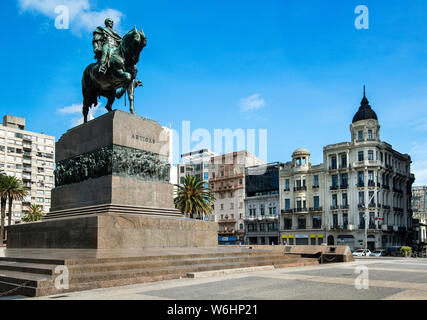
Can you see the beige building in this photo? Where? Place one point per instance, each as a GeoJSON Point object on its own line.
{"type": "Point", "coordinates": [227, 181]}
{"type": "Point", "coordinates": [419, 207]}
{"type": "Point", "coordinates": [362, 189]}
{"type": "Point", "coordinates": [29, 157]}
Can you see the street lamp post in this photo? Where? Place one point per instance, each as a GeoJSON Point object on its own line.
{"type": "Point", "coordinates": [366, 219]}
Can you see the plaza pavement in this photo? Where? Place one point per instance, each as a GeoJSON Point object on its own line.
{"type": "Point", "coordinates": [389, 279]}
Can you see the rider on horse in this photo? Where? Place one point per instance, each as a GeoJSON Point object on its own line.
{"type": "Point", "coordinates": [105, 39]}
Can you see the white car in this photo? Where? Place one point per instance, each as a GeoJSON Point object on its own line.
{"type": "Point", "coordinates": [377, 253]}
{"type": "Point", "coordinates": [361, 253]}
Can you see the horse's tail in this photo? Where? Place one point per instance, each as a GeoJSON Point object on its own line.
{"type": "Point", "coordinates": [89, 91]}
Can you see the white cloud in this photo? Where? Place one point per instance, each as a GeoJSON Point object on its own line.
{"type": "Point", "coordinates": [254, 102]}
{"type": "Point", "coordinates": [77, 109]}
{"type": "Point", "coordinates": [81, 17]}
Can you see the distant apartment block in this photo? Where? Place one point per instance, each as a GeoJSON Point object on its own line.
{"type": "Point", "coordinates": [30, 157]}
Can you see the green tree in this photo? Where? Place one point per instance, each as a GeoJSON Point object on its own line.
{"type": "Point", "coordinates": [33, 214]}
{"type": "Point", "coordinates": [192, 198]}
{"type": "Point", "coordinates": [10, 189]}
{"type": "Point", "coordinates": [3, 201]}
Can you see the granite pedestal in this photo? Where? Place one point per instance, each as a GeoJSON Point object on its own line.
{"type": "Point", "coordinates": [113, 191]}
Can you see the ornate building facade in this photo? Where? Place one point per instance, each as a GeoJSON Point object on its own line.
{"type": "Point", "coordinates": [262, 204]}
{"type": "Point", "coordinates": [360, 195]}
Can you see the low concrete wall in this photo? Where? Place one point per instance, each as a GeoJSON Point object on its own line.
{"type": "Point", "coordinates": [326, 254]}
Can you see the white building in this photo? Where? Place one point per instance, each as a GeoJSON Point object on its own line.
{"type": "Point", "coordinates": [29, 157]}
{"type": "Point", "coordinates": [419, 207]}
{"type": "Point", "coordinates": [196, 164]}
{"type": "Point", "coordinates": [363, 191]}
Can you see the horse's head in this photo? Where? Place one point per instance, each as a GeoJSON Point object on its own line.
{"type": "Point", "coordinates": [132, 44]}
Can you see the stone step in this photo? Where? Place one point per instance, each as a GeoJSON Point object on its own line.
{"type": "Point", "coordinates": [37, 279]}
{"type": "Point", "coordinates": [180, 270]}
{"type": "Point", "coordinates": [46, 269]}
{"type": "Point", "coordinates": [81, 261]}
{"type": "Point", "coordinates": [119, 278]}
{"type": "Point", "coordinates": [127, 265]}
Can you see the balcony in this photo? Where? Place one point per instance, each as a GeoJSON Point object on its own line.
{"type": "Point", "coordinates": [344, 207]}
{"type": "Point", "coordinates": [372, 205]}
{"type": "Point", "coordinates": [371, 184]}
{"type": "Point", "coordinates": [287, 210]}
{"type": "Point", "coordinates": [27, 154]}
{"type": "Point", "coordinates": [315, 187]}
{"type": "Point", "coordinates": [287, 189]}
{"type": "Point", "coordinates": [299, 210]}
{"type": "Point", "coordinates": [361, 206]}
{"type": "Point", "coordinates": [334, 187]}
{"type": "Point", "coordinates": [335, 207]}
{"type": "Point", "coordinates": [333, 167]}
{"type": "Point", "coordinates": [344, 186]}
{"type": "Point", "coordinates": [227, 221]}
{"type": "Point", "coordinates": [386, 207]}
{"type": "Point", "coordinates": [343, 166]}
{"type": "Point", "coordinates": [360, 185]}
{"type": "Point", "coordinates": [386, 187]}
{"type": "Point", "coordinates": [372, 226]}
{"type": "Point", "coordinates": [27, 138]}
{"type": "Point", "coordinates": [302, 188]}
{"type": "Point", "coordinates": [316, 209]}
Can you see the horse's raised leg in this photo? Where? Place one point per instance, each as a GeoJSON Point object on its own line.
{"type": "Point", "coordinates": [85, 112]}
{"type": "Point", "coordinates": [111, 98]}
{"type": "Point", "coordinates": [131, 94]}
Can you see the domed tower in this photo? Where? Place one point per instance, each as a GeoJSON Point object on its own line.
{"type": "Point", "coordinates": [301, 159]}
{"type": "Point", "coordinates": [365, 125]}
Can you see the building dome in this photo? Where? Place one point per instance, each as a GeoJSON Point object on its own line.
{"type": "Point", "coordinates": [299, 152]}
{"type": "Point", "coordinates": [365, 111]}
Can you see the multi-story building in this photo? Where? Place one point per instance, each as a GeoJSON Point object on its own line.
{"type": "Point", "coordinates": [227, 182]}
{"type": "Point", "coordinates": [364, 194]}
{"type": "Point", "coordinates": [196, 163]}
{"type": "Point", "coordinates": [302, 201]}
{"type": "Point", "coordinates": [419, 207]}
{"type": "Point", "coordinates": [29, 157]}
{"type": "Point", "coordinates": [262, 204]}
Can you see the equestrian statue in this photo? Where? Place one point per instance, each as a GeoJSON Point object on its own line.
{"type": "Point", "coordinates": [115, 71]}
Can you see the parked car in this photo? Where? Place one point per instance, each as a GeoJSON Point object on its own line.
{"type": "Point", "coordinates": [393, 251]}
{"type": "Point", "coordinates": [361, 252]}
{"type": "Point", "coordinates": [377, 253]}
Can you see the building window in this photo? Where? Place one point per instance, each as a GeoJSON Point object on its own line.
{"type": "Point", "coordinates": [362, 199]}
{"type": "Point", "coordinates": [262, 210]}
{"type": "Point", "coordinates": [316, 202]}
{"type": "Point", "coordinates": [301, 222]}
{"type": "Point", "coordinates": [344, 180]}
{"type": "Point", "coordinates": [334, 181]}
{"type": "Point", "coordinates": [288, 223]}
{"type": "Point", "coordinates": [360, 156]}
{"type": "Point", "coordinates": [287, 204]}
{"type": "Point", "coordinates": [335, 220]}
{"type": "Point", "coordinates": [370, 135]}
{"type": "Point", "coordinates": [344, 161]}
{"type": "Point", "coordinates": [333, 162]}
{"type": "Point", "coordinates": [316, 181]}
{"type": "Point", "coordinates": [370, 155]}
{"type": "Point", "coordinates": [360, 135]}
{"type": "Point", "coordinates": [360, 178]}
{"type": "Point", "coordinates": [317, 222]}
{"type": "Point", "coordinates": [287, 183]}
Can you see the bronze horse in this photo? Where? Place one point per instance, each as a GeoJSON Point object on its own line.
{"type": "Point", "coordinates": [121, 74]}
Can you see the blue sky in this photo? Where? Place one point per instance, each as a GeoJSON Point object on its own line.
{"type": "Point", "coordinates": [299, 65]}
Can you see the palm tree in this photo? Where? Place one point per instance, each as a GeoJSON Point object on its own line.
{"type": "Point", "coordinates": [15, 191]}
{"type": "Point", "coordinates": [33, 214]}
{"type": "Point", "coordinates": [3, 201]}
{"type": "Point", "coordinates": [10, 189]}
{"type": "Point", "coordinates": [192, 198]}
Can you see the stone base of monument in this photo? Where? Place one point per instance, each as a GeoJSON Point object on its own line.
{"type": "Point", "coordinates": [112, 191]}
{"type": "Point", "coordinates": [114, 230]}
